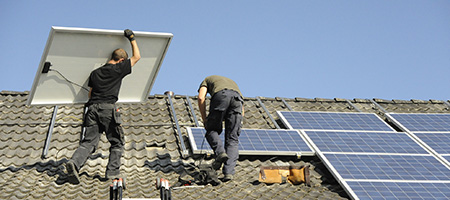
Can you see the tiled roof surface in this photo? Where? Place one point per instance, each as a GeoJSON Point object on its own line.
{"type": "Point", "coordinates": [152, 149]}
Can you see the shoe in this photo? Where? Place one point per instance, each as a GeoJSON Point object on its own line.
{"type": "Point", "coordinates": [72, 173]}
{"type": "Point", "coordinates": [227, 177]}
{"type": "Point", "coordinates": [113, 176]}
{"type": "Point", "coordinates": [220, 159]}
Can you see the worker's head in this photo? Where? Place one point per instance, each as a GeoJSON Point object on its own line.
{"type": "Point", "coordinates": [119, 55]}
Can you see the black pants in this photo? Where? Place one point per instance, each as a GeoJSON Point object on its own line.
{"type": "Point", "coordinates": [98, 119]}
{"type": "Point", "coordinates": [225, 105]}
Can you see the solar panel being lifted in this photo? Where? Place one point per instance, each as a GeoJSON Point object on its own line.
{"type": "Point", "coordinates": [333, 121]}
{"type": "Point", "coordinates": [71, 54]}
{"type": "Point", "coordinates": [257, 142]}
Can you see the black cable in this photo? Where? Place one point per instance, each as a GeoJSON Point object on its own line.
{"type": "Point", "coordinates": [201, 151]}
{"type": "Point", "coordinates": [69, 80]}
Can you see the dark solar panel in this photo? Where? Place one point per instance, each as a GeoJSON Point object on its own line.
{"type": "Point", "coordinates": [389, 167]}
{"type": "Point", "coordinates": [333, 121]}
{"type": "Point", "coordinates": [365, 142]}
{"type": "Point", "coordinates": [372, 160]}
{"type": "Point", "coordinates": [440, 142]}
{"type": "Point", "coordinates": [417, 122]}
{"type": "Point", "coordinates": [400, 190]}
{"type": "Point", "coordinates": [257, 141]}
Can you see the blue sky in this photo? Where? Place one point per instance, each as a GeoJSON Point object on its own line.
{"type": "Point", "coordinates": [327, 49]}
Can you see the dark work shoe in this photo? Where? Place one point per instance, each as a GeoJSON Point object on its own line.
{"type": "Point", "coordinates": [72, 173]}
{"type": "Point", "coordinates": [227, 177]}
{"type": "Point", "coordinates": [220, 159]}
{"type": "Point", "coordinates": [113, 175]}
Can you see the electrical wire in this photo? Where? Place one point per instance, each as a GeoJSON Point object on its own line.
{"type": "Point", "coordinates": [201, 151]}
{"type": "Point", "coordinates": [73, 83]}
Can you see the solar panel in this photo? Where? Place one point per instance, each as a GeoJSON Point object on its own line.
{"type": "Point", "coordinates": [257, 142]}
{"type": "Point", "coordinates": [365, 142]}
{"type": "Point", "coordinates": [389, 167]}
{"type": "Point", "coordinates": [373, 161]}
{"type": "Point", "coordinates": [419, 122]}
{"type": "Point", "coordinates": [75, 52]}
{"type": "Point", "coordinates": [400, 190]}
{"type": "Point", "coordinates": [440, 142]}
{"type": "Point", "coordinates": [333, 121]}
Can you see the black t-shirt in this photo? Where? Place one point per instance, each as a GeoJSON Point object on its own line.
{"type": "Point", "coordinates": [106, 81]}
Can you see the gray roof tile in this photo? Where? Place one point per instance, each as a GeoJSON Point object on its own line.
{"type": "Point", "coordinates": [152, 149]}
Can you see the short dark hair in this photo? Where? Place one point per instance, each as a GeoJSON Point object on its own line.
{"type": "Point", "coordinates": [118, 54]}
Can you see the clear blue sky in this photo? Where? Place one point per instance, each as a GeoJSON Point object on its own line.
{"type": "Point", "coordinates": [328, 49]}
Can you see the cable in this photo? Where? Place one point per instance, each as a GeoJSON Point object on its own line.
{"type": "Point", "coordinates": [201, 151]}
{"type": "Point", "coordinates": [69, 80]}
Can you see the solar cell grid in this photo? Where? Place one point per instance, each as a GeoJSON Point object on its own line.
{"type": "Point", "coordinates": [400, 190]}
{"type": "Point", "coordinates": [417, 122]}
{"type": "Point", "coordinates": [374, 160]}
{"type": "Point", "coordinates": [257, 140]}
{"type": "Point", "coordinates": [333, 121]}
{"type": "Point", "coordinates": [365, 142]}
{"type": "Point", "coordinates": [440, 142]}
{"type": "Point", "coordinates": [388, 167]}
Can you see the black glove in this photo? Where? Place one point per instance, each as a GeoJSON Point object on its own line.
{"type": "Point", "coordinates": [129, 34]}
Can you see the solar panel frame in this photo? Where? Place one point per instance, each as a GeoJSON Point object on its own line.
{"type": "Point", "coordinates": [421, 122]}
{"type": "Point", "coordinates": [333, 121]}
{"type": "Point", "coordinates": [295, 143]}
{"type": "Point", "coordinates": [447, 157]}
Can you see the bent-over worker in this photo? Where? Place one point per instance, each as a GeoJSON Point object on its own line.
{"type": "Point", "coordinates": [226, 105]}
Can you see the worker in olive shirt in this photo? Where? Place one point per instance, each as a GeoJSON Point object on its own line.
{"type": "Point", "coordinates": [102, 115]}
{"type": "Point", "coordinates": [226, 105]}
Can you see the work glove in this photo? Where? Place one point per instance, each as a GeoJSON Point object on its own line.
{"type": "Point", "coordinates": [129, 34]}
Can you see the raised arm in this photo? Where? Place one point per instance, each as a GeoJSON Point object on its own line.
{"type": "Point", "coordinates": [136, 53]}
{"type": "Point", "coordinates": [201, 103]}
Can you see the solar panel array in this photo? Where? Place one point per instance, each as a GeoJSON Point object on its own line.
{"type": "Point", "coordinates": [431, 129]}
{"type": "Point", "coordinates": [370, 159]}
{"type": "Point", "coordinates": [257, 142]}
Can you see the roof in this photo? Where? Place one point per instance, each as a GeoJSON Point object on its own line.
{"type": "Point", "coordinates": [152, 148]}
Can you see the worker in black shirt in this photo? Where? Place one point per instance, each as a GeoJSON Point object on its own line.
{"type": "Point", "coordinates": [102, 114]}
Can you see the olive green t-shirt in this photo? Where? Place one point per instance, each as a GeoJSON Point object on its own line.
{"type": "Point", "coordinates": [217, 83]}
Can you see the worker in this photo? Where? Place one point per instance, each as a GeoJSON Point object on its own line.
{"type": "Point", "coordinates": [102, 115]}
{"type": "Point", "coordinates": [226, 105]}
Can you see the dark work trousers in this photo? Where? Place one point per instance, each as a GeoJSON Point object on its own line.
{"type": "Point", "coordinates": [98, 119]}
{"type": "Point", "coordinates": [225, 105]}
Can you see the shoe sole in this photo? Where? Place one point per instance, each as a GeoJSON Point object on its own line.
{"type": "Point", "coordinates": [218, 163]}
{"type": "Point", "coordinates": [72, 174]}
{"type": "Point", "coordinates": [226, 179]}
